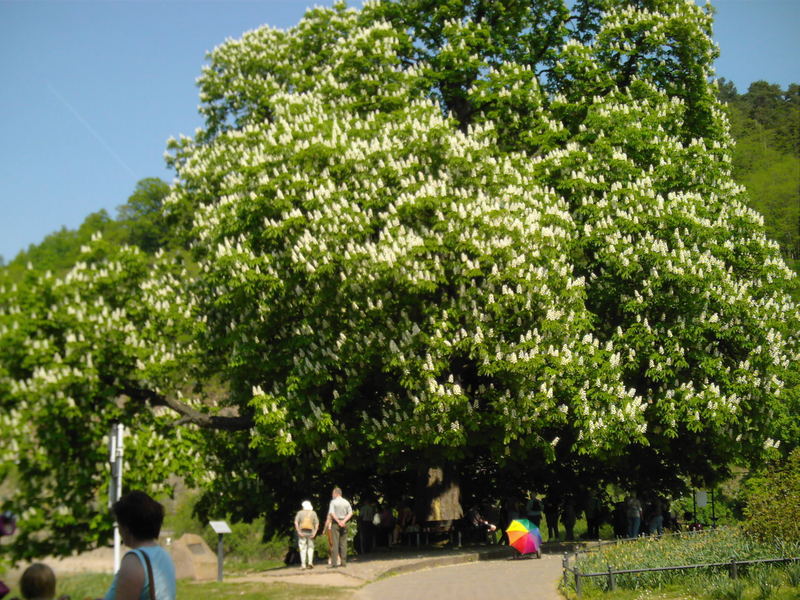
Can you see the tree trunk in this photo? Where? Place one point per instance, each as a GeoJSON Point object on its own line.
{"type": "Point", "coordinates": [438, 494]}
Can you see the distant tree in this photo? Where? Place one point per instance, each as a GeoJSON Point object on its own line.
{"type": "Point", "coordinates": [791, 125]}
{"type": "Point", "coordinates": [727, 91]}
{"type": "Point", "coordinates": [142, 218]}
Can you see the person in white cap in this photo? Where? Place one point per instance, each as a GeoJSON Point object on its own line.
{"type": "Point", "coordinates": [306, 523]}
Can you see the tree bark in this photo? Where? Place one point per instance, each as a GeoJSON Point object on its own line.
{"type": "Point", "coordinates": [438, 494]}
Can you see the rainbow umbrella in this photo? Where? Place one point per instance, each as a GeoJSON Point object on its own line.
{"type": "Point", "coordinates": [525, 537]}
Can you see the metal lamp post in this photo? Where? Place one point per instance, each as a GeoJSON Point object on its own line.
{"type": "Point", "coordinates": [115, 449]}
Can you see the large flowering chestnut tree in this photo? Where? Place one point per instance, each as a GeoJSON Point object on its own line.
{"type": "Point", "coordinates": [419, 233]}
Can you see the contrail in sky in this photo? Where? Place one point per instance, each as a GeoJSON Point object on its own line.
{"type": "Point", "coordinates": [85, 123]}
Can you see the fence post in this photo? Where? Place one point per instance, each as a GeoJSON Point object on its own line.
{"type": "Point", "coordinates": [612, 581]}
{"type": "Point", "coordinates": [577, 581]}
{"type": "Point", "coordinates": [734, 569]}
{"type": "Point", "coordinates": [565, 566]}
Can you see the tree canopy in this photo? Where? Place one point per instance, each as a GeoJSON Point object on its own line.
{"type": "Point", "coordinates": [418, 233]}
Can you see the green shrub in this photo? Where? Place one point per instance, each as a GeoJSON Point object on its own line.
{"type": "Point", "coordinates": [179, 518]}
{"type": "Point", "coordinates": [773, 502]}
{"type": "Point", "coordinates": [245, 544]}
{"type": "Point", "coordinates": [725, 509]}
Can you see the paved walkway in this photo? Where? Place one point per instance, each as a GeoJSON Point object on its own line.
{"type": "Point", "coordinates": [501, 579]}
{"type": "Point", "coordinates": [481, 572]}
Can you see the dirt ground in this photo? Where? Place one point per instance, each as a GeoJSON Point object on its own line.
{"type": "Point", "coordinates": [100, 560]}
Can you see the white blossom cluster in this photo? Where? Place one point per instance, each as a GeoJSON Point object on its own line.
{"type": "Point", "coordinates": [72, 344]}
{"type": "Point", "coordinates": [393, 243]}
{"type": "Point", "coordinates": [388, 241]}
{"type": "Point", "coordinates": [368, 273]}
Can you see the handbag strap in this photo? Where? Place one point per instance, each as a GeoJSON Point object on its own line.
{"type": "Point", "coordinates": [149, 575]}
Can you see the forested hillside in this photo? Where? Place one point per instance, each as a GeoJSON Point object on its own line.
{"type": "Point", "coordinates": [765, 122]}
{"type": "Point", "coordinates": [138, 222]}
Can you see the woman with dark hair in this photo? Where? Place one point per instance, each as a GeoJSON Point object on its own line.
{"type": "Point", "coordinates": [146, 572]}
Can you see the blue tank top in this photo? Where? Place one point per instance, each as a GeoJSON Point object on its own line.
{"type": "Point", "coordinates": [163, 574]}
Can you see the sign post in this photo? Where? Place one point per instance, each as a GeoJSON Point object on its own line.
{"type": "Point", "coordinates": [115, 449]}
{"type": "Point", "coordinates": [220, 528]}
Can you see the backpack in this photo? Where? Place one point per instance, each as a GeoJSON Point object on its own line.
{"type": "Point", "coordinates": [307, 522]}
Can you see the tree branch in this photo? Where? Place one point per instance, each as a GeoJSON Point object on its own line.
{"type": "Point", "coordinates": [189, 414]}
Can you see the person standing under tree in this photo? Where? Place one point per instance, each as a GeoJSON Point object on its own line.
{"type": "Point", "coordinates": [593, 511]}
{"type": "Point", "coordinates": [569, 515]}
{"type": "Point", "coordinates": [366, 528]}
{"type": "Point", "coordinates": [329, 536]}
{"type": "Point", "coordinates": [634, 513]}
{"type": "Point", "coordinates": [533, 510]}
{"type": "Point", "coordinates": [306, 523]}
{"type": "Point", "coordinates": [340, 512]}
{"type": "Point", "coordinates": [551, 503]}
{"type": "Point", "coordinates": [655, 517]}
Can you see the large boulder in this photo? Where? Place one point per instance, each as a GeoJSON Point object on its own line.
{"type": "Point", "coordinates": [193, 558]}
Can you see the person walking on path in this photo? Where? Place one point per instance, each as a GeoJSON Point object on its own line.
{"type": "Point", "coordinates": [340, 512]}
{"type": "Point", "coordinates": [306, 523]}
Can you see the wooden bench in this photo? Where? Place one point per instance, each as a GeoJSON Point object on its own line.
{"type": "Point", "coordinates": [446, 528]}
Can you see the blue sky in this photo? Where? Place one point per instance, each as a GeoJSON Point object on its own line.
{"type": "Point", "coordinates": [91, 90]}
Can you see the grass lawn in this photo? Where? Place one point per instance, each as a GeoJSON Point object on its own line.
{"type": "Point", "coordinates": [677, 592]}
{"type": "Point", "coordinates": [92, 586]}
{"type": "Point", "coordinates": [719, 546]}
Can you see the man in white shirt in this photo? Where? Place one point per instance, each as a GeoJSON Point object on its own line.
{"type": "Point", "coordinates": [341, 512]}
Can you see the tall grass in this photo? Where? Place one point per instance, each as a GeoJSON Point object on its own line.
{"type": "Point", "coordinates": [713, 546]}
